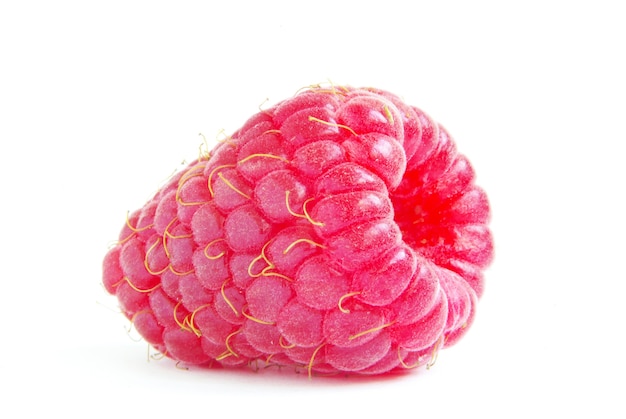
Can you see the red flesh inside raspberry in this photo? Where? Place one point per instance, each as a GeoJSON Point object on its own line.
{"type": "Point", "coordinates": [338, 231]}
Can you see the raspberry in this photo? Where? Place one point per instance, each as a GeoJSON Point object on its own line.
{"type": "Point", "coordinates": [338, 231]}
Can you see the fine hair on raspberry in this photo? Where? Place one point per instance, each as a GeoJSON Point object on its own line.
{"type": "Point", "coordinates": [339, 231]}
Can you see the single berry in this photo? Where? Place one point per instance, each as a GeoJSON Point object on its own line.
{"type": "Point", "coordinates": [338, 231]}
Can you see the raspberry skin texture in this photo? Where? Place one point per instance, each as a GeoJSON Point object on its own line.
{"type": "Point", "coordinates": [339, 231]}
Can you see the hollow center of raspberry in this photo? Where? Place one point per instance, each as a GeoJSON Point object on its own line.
{"type": "Point", "coordinates": [420, 221]}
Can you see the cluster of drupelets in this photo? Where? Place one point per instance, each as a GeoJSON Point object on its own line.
{"type": "Point", "coordinates": [338, 231]}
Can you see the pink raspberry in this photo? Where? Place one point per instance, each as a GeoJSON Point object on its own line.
{"type": "Point", "coordinates": [338, 231]}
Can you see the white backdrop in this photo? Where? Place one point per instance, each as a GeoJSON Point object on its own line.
{"type": "Point", "coordinates": [101, 101]}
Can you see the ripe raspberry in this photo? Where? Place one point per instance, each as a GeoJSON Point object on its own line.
{"type": "Point", "coordinates": [338, 231]}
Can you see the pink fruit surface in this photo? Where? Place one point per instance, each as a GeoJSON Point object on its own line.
{"type": "Point", "coordinates": [338, 231]}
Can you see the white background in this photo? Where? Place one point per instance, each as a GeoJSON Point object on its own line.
{"type": "Point", "coordinates": [101, 101]}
